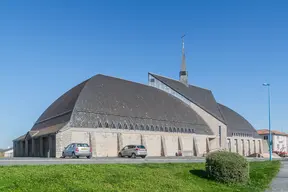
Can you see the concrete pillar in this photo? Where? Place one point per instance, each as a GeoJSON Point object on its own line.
{"type": "Point", "coordinates": [41, 146]}
{"type": "Point", "coordinates": [196, 147]}
{"type": "Point", "coordinates": [260, 146]}
{"type": "Point", "coordinates": [20, 153]}
{"type": "Point", "coordinates": [26, 148]}
{"type": "Point", "coordinates": [208, 148]}
{"type": "Point", "coordinates": [180, 144]}
{"type": "Point", "coordinates": [163, 147]}
{"type": "Point", "coordinates": [15, 148]}
{"type": "Point", "coordinates": [119, 142]}
{"type": "Point", "coordinates": [93, 143]}
{"type": "Point", "coordinates": [143, 140]}
{"type": "Point", "coordinates": [33, 147]}
{"type": "Point", "coordinates": [49, 146]}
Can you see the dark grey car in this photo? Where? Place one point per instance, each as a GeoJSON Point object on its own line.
{"type": "Point", "coordinates": [133, 151]}
{"type": "Point", "coordinates": [77, 150]}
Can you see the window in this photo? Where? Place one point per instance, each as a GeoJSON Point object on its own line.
{"type": "Point", "coordinates": [170, 129]}
{"type": "Point", "coordinates": [136, 127]}
{"type": "Point", "coordinates": [112, 125]}
{"type": "Point", "coordinates": [174, 129]}
{"type": "Point", "coordinates": [142, 127]}
{"type": "Point", "coordinates": [265, 137]}
{"type": "Point", "coordinates": [99, 124]}
{"type": "Point", "coordinates": [140, 146]}
{"type": "Point", "coordinates": [131, 127]}
{"type": "Point", "coordinates": [166, 129]}
{"type": "Point", "coordinates": [106, 124]}
{"type": "Point", "coordinates": [119, 126]}
{"type": "Point", "coordinates": [82, 145]}
{"type": "Point", "coordinates": [125, 126]}
{"type": "Point", "coordinates": [152, 128]}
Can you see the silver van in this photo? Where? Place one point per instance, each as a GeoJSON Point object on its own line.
{"type": "Point", "coordinates": [77, 150]}
{"type": "Point", "coordinates": [133, 151]}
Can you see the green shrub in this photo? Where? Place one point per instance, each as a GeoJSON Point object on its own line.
{"type": "Point", "coordinates": [227, 167]}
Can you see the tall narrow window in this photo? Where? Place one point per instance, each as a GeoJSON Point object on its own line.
{"type": "Point", "coordinates": [220, 144]}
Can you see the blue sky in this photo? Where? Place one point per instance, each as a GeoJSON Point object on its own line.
{"type": "Point", "coordinates": [232, 47]}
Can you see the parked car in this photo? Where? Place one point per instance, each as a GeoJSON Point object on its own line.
{"type": "Point", "coordinates": [133, 151]}
{"type": "Point", "coordinates": [77, 150]}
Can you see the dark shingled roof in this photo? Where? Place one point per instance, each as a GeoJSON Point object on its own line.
{"type": "Point", "coordinates": [104, 101]}
{"type": "Point", "coordinates": [60, 111]}
{"type": "Point", "coordinates": [202, 97]}
{"type": "Point", "coordinates": [236, 123]}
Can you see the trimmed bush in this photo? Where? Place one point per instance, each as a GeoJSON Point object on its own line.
{"type": "Point", "coordinates": [227, 167]}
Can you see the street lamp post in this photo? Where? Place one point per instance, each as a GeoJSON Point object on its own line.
{"type": "Point", "coordinates": [269, 119]}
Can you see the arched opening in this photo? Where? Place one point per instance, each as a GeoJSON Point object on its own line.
{"type": "Point", "coordinates": [147, 128]}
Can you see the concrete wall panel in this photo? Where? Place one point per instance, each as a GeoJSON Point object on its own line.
{"type": "Point", "coordinates": [131, 139]}
{"type": "Point", "coordinates": [171, 142]}
{"type": "Point", "coordinates": [106, 144]}
{"type": "Point", "coordinates": [153, 144]}
{"type": "Point", "coordinates": [187, 141]}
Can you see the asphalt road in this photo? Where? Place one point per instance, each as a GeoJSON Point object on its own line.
{"type": "Point", "coordinates": [110, 160]}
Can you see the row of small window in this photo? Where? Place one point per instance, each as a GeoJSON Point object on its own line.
{"type": "Point", "coordinates": [163, 87]}
{"type": "Point", "coordinates": [242, 134]}
{"type": "Point", "coordinates": [145, 128]}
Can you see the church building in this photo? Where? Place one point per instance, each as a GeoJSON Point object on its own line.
{"type": "Point", "coordinates": [167, 116]}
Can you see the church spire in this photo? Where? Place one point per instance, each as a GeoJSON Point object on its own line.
{"type": "Point", "coordinates": [183, 75]}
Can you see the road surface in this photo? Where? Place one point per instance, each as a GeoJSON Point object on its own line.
{"type": "Point", "coordinates": [109, 160]}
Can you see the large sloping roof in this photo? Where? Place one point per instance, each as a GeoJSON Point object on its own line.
{"type": "Point", "coordinates": [236, 123]}
{"type": "Point", "coordinates": [112, 102]}
{"type": "Point", "coordinates": [59, 111]}
{"type": "Point", "coordinates": [202, 97]}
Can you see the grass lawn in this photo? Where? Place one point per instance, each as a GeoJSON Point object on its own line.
{"type": "Point", "coordinates": [134, 178]}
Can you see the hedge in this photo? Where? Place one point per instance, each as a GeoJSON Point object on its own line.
{"type": "Point", "coordinates": [227, 167]}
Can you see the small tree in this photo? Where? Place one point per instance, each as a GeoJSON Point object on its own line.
{"type": "Point", "coordinates": [227, 167]}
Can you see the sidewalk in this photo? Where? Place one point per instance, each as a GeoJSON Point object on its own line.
{"type": "Point", "coordinates": [280, 182]}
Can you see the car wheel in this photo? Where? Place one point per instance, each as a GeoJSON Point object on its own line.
{"type": "Point", "coordinates": [77, 157]}
{"type": "Point", "coordinates": [143, 157]}
{"type": "Point", "coordinates": [73, 155]}
{"type": "Point", "coordinates": [133, 155]}
{"type": "Point", "coordinates": [63, 156]}
{"type": "Point", "coordinates": [88, 157]}
{"type": "Point", "coordinates": [120, 155]}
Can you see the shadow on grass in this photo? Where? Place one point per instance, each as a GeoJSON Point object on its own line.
{"type": "Point", "coordinates": [199, 173]}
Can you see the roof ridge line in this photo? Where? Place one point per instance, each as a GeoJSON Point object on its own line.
{"type": "Point", "coordinates": [179, 81]}
{"type": "Point", "coordinates": [197, 103]}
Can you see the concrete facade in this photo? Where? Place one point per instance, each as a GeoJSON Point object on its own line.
{"type": "Point", "coordinates": [107, 142]}
{"type": "Point", "coordinates": [245, 145]}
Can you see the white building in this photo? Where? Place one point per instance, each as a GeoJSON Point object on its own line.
{"type": "Point", "coordinates": [279, 139]}
{"type": "Point", "coordinates": [8, 152]}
